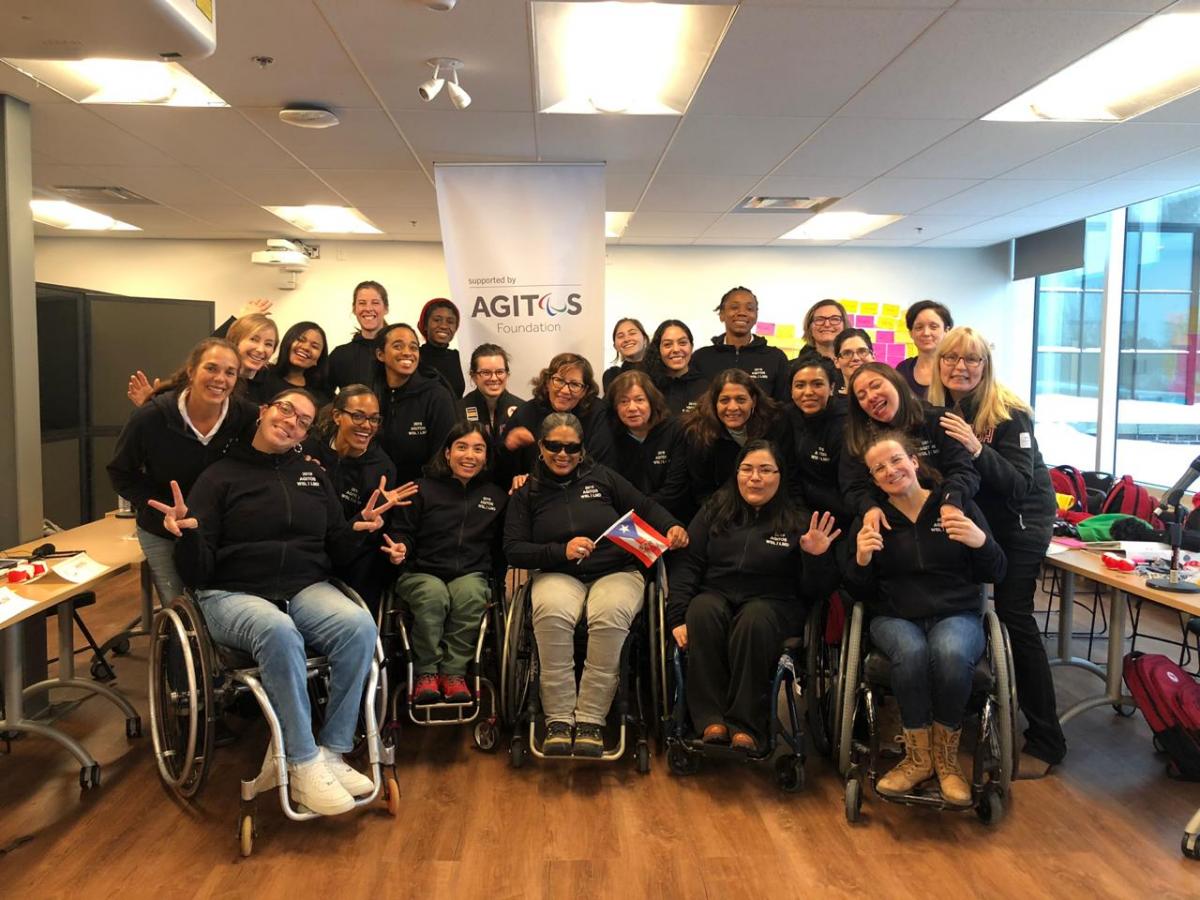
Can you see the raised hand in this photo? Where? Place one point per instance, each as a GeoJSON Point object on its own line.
{"type": "Point", "coordinates": [820, 535]}
{"type": "Point", "coordinates": [957, 428]}
{"type": "Point", "coordinates": [396, 553]}
{"type": "Point", "coordinates": [961, 528]}
{"type": "Point", "coordinates": [175, 517]}
{"type": "Point", "coordinates": [516, 438]}
{"type": "Point", "coordinates": [372, 515]}
{"type": "Point", "coordinates": [870, 542]}
{"type": "Point", "coordinates": [397, 496]}
{"type": "Point", "coordinates": [140, 389]}
{"type": "Point", "coordinates": [260, 305]}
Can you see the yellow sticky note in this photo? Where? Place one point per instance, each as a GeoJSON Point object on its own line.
{"type": "Point", "coordinates": [910, 349]}
{"type": "Point", "coordinates": [891, 309]}
{"type": "Point", "coordinates": [902, 335]}
{"type": "Point", "coordinates": [785, 333]}
{"type": "Point", "coordinates": [868, 309]}
{"type": "Point", "coordinates": [851, 305]}
{"type": "Point", "coordinates": [885, 322]}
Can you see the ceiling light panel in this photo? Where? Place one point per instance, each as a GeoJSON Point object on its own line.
{"type": "Point", "coordinates": [119, 81]}
{"type": "Point", "coordinates": [627, 58]}
{"type": "Point", "coordinates": [838, 226]}
{"type": "Point", "coordinates": [61, 214]}
{"type": "Point", "coordinates": [1142, 69]}
{"type": "Point", "coordinates": [615, 222]}
{"type": "Point", "coordinates": [325, 219]}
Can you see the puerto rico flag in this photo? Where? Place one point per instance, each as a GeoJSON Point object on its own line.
{"type": "Point", "coordinates": [631, 532]}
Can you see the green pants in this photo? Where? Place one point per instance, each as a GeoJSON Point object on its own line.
{"type": "Point", "coordinates": [446, 619]}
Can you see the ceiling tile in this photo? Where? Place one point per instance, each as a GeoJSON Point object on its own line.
{"type": "Point", "coordinates": [883, 242]}
{"type": "Point", "coordinates": [952, 243]}
{"type": "Point", "coordinates": [655, 241]}
{"type": "Point", "coordinates": [1000, 196]}
{"type": "Point", "coordinates": [244, 217]}
{"type": "Point", "coordinates": [811, 186]}
{"type": "Point", "coordinates": [366, 139]}
{"type": "Point", "coordinates": [200, 137]}
{"type": "Point", "coordinates": [628, 144]}
{"type": "Point", "coordinates": [1004, 227]}
{"type": "Point", "coordinates": [443, 135]}
{"type": "Point", "coordinates": [734, 145]}
{"type": "Point", "coordinates": [970, 61]}
{"type": "Point", "coordinates": [988, 149]}
{"type": "Point", "coordinates": [374, 187]}
{"type": "Point", "coordinates": [755, 226]}
{"type": "Point", "coordinates": [1104, 196]}
{"type": "Point", "coordinates": [696, 193]}
{"type": "Point", "coordinates": [802, 62]}
{"type": "Point", "coordinates": [622, 192]}
{"type": "Point", "coordinates": [1113, 151]}
{"type": "Point", "coordinates": [171, 186]}
{"type": "Point", "coordinates": [902, 195]}
{"type": "Point", "coordinates": [277, 187]}
{"type": "Point", "coordinates": [729, 242]}
{"type": "Point", "coordinates": [668, 224]}
{"type": "Point", "coordinates": [74, 135]}
{"type": "Point", "coordinates": [414, 223]}
{"type": "Point", "coordinates": [21, 86]}
{"type": "Point", "coordinates": [868, 147]}
{"type": "Point", "coordinates": [921, 227]}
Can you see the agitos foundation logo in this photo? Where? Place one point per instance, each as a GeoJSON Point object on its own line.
{"type": "Point", "coordinates": [503, 309]}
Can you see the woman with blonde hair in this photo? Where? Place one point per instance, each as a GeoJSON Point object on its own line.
{"type": "Point", "coordinates": [995, 426]}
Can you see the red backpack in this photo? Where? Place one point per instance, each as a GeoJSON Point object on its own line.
{"type": "Point", "coordinates": [1069, 480]}
{"type": "Point", "coordinates": [1132, 500]}
{"type": "Point", "coordinates": [1169, 698]}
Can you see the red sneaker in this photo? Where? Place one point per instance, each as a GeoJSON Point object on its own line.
{"type": "Point", "coordinates": [426, 689]}
{"type": "Point", "coordinates": [455, 689]}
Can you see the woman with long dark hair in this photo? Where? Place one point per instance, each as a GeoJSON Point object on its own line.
{"type": "Point", "coordinates": [304, 360]}
{"type": "Point", "coordinates": [630, 340]}
{"type": "Point", "coordinates": [668, 362]}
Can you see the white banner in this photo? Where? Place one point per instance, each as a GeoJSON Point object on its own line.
{"type": "Point", "coordinates": [524, 247]}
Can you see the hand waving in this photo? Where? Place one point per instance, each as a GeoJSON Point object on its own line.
{"type": "Point", "coordinates": [175, 518]}
{"type": "Point", "coordinates": [140, 389]}
{"type": "Point", "coordinates": [260, 305]}
{"type": "Point", "coordinates": [820, 535]}
{"type": "Point", "coordinates": [397, 496]}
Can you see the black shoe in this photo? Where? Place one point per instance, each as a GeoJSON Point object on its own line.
{"type": "Point", "coordinates": [558, 739]}
{"type": "Point", "coordinates": [589, 740]}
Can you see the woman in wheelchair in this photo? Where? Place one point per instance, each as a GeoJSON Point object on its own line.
{"type": "Point", "coordinates": [552, 525]}
{"type": "Point", "coordinates": [445, 540]}
{"type": "Point", "coordinates": [920, 575]}
{"type": "Point", "coordinates": [740, 589]}
{"type": "Point", "coordinates": [258, 538]}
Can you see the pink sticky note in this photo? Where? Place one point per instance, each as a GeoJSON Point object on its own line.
{"type": "Point", "coordinates": [895, 354]}
{"type": "Point", "coordinates": [866, 322]}
{"type": "Point", "coordinates": [885, 337]}
{"type": "Point", "coordinates": [765, 328]}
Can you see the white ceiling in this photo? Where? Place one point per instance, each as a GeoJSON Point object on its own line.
{"type": "Point", "coordinates": [875, 101]}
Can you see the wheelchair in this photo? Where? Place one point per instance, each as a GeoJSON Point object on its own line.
{"type": "Point", "coordinates": [864, 679]}
{"type": "Point", "coordinates": [520, 703]}
{"type": "Point", "coordinates": [792, 676]}
{"type": "Point", "coordinates": [395, 623]}
{"type": "Point", "coordinates": [194, 680]}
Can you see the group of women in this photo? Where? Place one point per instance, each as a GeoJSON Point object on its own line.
{"type": "Point", "coordinates": [774, 482]}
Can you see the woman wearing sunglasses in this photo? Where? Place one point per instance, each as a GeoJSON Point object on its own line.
{"type": "Point", "coordinates": [258, 539]}
{"type": "Point", "coordinates": [554, 522]}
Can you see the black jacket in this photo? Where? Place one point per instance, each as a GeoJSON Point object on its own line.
{"type": "Point", "coordinates": [446, 362]}
{"type": "Point", "coordinates": [547, 512]}
{"type": "Point", "coordinates": [354, 478]}
{"type": "Point", "coordinates": [815, 451]}
{"type": "Point", "coordinates": [450, 529]}
{"type": "Point", "coordinates": [416, 418]}
{"type": "Point", "coordinates": [156, 447]}
{"type": "Point", "coordinates": [597, 435]}
{"type": "Point", "coordinates": [765, 364]}
{"type": "Point", "coordinates": [921, 572]}
{"type": "Point", "coordinates": [263, 387]}
{"type": "Point", "coordinates": [657, 466]}
{"type": "Point", "coordinates": [682, 393]}
{"type": "Point", "coordinates": [810, 354]}
{"type": "Point", "coordinates": [1014, 490]}
{"type": "Point", "coordinates": [753, 562]}
{"type": "Point", "coordinates": [269, 525]}
{"type": "Point", "coordinates": [710, 467]}
{"type": "Point", "coordinates": [960, 481]}
{"type": "Point", "coordinates": [473, 408]}
{"type": "Point", "coordinates": [611, 373]}
{"type": "Point", "coordinates": [353, 362]}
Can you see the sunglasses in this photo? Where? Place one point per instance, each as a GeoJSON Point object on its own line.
{"type": "Point", "coordinates": [563, 447]}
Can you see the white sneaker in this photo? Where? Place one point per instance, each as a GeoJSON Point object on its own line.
{"type": "Point", "coordinates": [356, 783]}
{"type": "Point", "coordinates": [268, 775]}
{"type": "Point", "coordinates": [315, 787]}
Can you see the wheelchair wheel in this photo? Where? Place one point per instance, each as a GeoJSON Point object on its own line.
{"type": "Point", "coordinates": [990, 808]}
{"type": "Point", "coordinates": [516, 752]}
{"type": "Point", "coordinates": [821, 671]}
{"type": "Point", "coordinates": [789, 773]}
{"type": "Point", "coordinates": [680, 761]}
{"type": "Point", "coordinates": [853, 799]}
{"type": "Point", "coordinates": [183, 710]}
{"type": "Point", "coordinates": [849, 678]}
{"type": "Point", "coordinates": [516, 664]}
{"type": "Point", "coordinates": [642, 754]}
{"type": "Point", "coordinates": [486, 735]}
{"type": "Point", "coordinates": [246, 835]}
{"type": "Point", "coordinates": [1190, 846]}
{"type": "Point", "coordinates": [1006, 700]}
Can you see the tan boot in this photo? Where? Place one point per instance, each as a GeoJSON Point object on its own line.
{"type": "Point", "coordinates": [955, 789]}
{"type": "Point", "coordinates": [916, 766]}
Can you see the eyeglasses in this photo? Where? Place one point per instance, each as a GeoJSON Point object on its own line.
{"type": "Point", "coordinates": [827, 320]}
{"type": "Point", "coordinates": [288, 411]}
{"type": "Point", "coordinates": [487, 374]}
{"type": "Point", "coordinates": [760, 471]}
{"type": "Point", "coordinates": [569, 448]}
{"type": "Point", "coordinates": [359, 418]}
{"type": "Point", "coordinates": [953, 359]}
{"type": "Point", "coordinates": [574, 387]}
{"type": "Point", "coordinates": [860, 353]}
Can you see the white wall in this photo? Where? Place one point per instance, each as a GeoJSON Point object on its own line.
{"type": "Point", "coordinates": [651, 283]}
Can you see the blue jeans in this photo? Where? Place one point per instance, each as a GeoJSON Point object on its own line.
{"type": "Point", "coordinates": [160, 557]}
{"type": "Point", "coordinates": [321, 617]}
{"type": "Point", "coordinates": [933, 660]}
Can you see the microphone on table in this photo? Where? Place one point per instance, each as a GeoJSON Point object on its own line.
{"type": "Point", "coordinates": [1172, 498]}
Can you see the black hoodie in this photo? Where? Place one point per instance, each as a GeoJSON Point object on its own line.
{"type": "Point", "coordinates": [445, 360]}
{"type": "Point", "coordinates": [920, 572]}
{"type": "Point", "coordinates": [450, 529]}
{"type": "Point", "coordinates": [765, 364]}
{"type": "Point", "coordinates": [155, 447]}
{"type": "Point", "coordinates": [657, 466]}
{"type": "Point", "coordinates": [416, 418]}
{"type": "Point", "coordinates": [548, 511]}
{"type": "Point", "coordinates": [269, 524]}
{"type": "Point", "coordinates": [353, 362]}
{"type": "Point", "coordinates": [611, 373]}
{"type": "Point", "coordinates": [597, 435]}
{"type": "Point", "coordinates": [354, 478]}
{"type": "Point", "coordinates": [710, 467]}
{"type": "Point", "coordinates": [751, 562]}
{"type": "Point", "coordinates": [815, 453]}
{"type": "Point", "coordinates": [681, 393]}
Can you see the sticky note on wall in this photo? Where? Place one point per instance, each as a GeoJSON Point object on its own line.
{"type": "Point", "coordinates": [865, 321]}
{"type": "Point", "coordinates": [765, 328]}
{"type": "Point", "coordinates": [868, 309]}
{"type": "Point", "coordinates": [891, 309]}
{"type": "Point", "coordinates": [851, 305]}
{"type": "Point", "coordinates": [785, 332]}
{"type": "Point", "coordinates": [885, 337]}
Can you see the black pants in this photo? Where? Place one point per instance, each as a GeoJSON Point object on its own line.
{"type": "Point", "coordinates": [369, 574]}
{"type": "Point", "coordinates": [732, 651]}
{"type": "Point", "coordinates": [1035, 685]}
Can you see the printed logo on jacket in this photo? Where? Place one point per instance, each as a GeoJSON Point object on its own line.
{"type": "Point", "coordinates": [308, 478]}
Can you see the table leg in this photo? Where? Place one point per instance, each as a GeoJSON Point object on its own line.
{"type": "Point", "coordinates": [1066, 629]}
{"type": "Point", "coordinates": [1112, 695]}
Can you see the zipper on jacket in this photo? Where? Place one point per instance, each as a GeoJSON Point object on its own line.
{"type": "Point", "coordinates": [462, 528]}
{"type": "Point", "coordinates": [287, 505]}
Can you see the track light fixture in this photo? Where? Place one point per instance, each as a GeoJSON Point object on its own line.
{"type": "Point", "coordinates": [444, 67]}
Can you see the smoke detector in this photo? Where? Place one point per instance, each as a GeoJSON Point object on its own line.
{"type": "Point", "coordinates": [308, 116]}
{"type": "Point", "coordinates": [439, 5]}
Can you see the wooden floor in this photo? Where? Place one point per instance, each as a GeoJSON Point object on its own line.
{"type": "Point", "coordinates": [1106, 824]}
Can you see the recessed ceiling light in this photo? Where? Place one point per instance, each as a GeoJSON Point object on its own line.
{"type": "Point", "coordinates": [325, 219]}
{"type": "Point", "coordinates": [1149, 65]}
{"type": "Point", "coordinates": [784, 204]}
{"type": "Point", "coordinates": [61, 214]}
{"type": "Point", "coordinates": [308, 116]}
{"type": "Point", "coordinates": [631, 58]}
{"type": "Point", "coordinates": [119, 81]}
{"type": "Point", "coordinates": [615, 223]}
{"type": "Point", "coordinates": [838, 226]}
